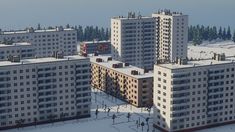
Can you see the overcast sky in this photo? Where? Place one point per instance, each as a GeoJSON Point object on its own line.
{"type": "Point", "coordinates": [22, 13]}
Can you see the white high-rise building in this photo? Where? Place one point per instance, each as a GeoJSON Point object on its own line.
{"type": "Point", "coordinates": [194, 95]}
{"type": "Point", "coordinates": [46, 42]}
{"type": "Point", "coordinates": [171, 36]}
{"type": "Point", "coordinates": [23, 50]}
{"type": "Point", "coordinates": [133, 40]}
{"type": "Point", "coordinates": [36, 91]}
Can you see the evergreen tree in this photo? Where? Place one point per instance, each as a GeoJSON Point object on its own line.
{"type": "Point", "coordinates": [107, 34]}
{"type": "Point", "coordinates": [224, 34]}
{"type": "Point", "coordinates": [190, 33]}
{"type": "Point", "coordinates": [220, 34]}
{"type": "Point", "coordinates": [214, 33]}
{"type": "Point", "coordinates": [234, 36]}
{"type": "Point", "coordinates": [228, 35]}
{"type": "Point", "coordinates": [197, 40]}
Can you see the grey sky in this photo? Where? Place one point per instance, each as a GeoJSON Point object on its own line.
{"type": "Point", "coordinates": [22, 13]}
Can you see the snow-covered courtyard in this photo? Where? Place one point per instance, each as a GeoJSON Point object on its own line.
{"type": "Point", "coordinates": [104, 121]}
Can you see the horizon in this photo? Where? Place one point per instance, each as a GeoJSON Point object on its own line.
{"type": "Point", "coordinates": [29, 13]}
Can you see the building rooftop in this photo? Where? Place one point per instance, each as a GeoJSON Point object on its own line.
{"type": "Point", "coordinates": [41, 60]}
{"type": "Point", "coordinates": [15, 44]}
{"type": "Point", "coordinates": [124, 69]}
{"type": "Point", "coordinates": [131, 15]}
{"type": "Point", "coordinates": [35, 31]}
{"type": "Point", "coordinates": [95, 42]}
{"type": "Point", "coordinates": [169, 13]}
{"type": "Point", "coordinates": [198, 63]}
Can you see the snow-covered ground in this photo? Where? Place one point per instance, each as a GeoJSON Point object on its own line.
{"type": "Point", "coordinates": [206, 50]}
{"type": "Point", "coordinates": [104, 122]}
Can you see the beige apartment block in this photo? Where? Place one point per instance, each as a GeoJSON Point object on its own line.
{"type": "Point", "coordinates": [133, 40]}
{"type": "Point", "coordinates": [122, 80]}
{"type": "Point", "coordinates": [171, 35]}
{"type": "Point", "coordinates": [44, 90]}
{"type": "Point", "coordinates": [194, 95]}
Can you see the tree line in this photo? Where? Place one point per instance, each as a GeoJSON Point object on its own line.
{"type": "Point", "coordinates": [88, 33]}
{"type": "Point", "coordinates": [199, 33]}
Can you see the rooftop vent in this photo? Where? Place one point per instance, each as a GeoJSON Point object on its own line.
{"type": "Point", "coordinates": [60, 28]}
{"type": "Point", "coordinates": [110, 58]}
{"type": "Point", "coordinates": [134, 72]}
{"type": "Point", "coordinates": [58, 55]}
{"type": "Point", "coordinates": [30, 30]}
{"type": "Point", "coordinates": [118, 65]}
{"type": "Point", "coordinates": [96, 54]}
{"type": "Point", "coordinates": [181, 61]}
{"type": "Point", "coordinates": [127, 64]}
{"type": "Point", "coordinates": [14, 58]}
{"type": "Point", "coordinates": [219, 57]}
{"type": "Point", "coordinates": [131, 15]}
{"type": "Point", "coordinates": [99, 60]}
{"type": "Point", "coordinates": [146, 71]}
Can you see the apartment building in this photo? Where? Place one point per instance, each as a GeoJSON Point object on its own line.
{"type": "Point", "coordinates": [43, 90]}
{"type": "Point", "coordinates": [45, 41]}
{"type": "Point", "coordinates": [194, 95]}
{"type": "Point", "coordinates": [98, 47]}
{"type": "Point", "coordinates": [23, 50]}
{"type": "Point", "coordinates": [129, 83]}
{"type": "Point", "coordinates": [171, 35]}
{"type": "Point", "coordinates": [133, 40]}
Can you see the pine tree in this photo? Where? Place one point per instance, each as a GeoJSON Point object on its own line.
{"type": "Point", "coordinates": [234, 36]}
{"type": "Point", "coordinates": [197, 40]}
{"type": "Point", "coordinates": [214, 33]}
{"type": "Point", "coordinates": [224, 34]}
{"type": "Point", "coordinates": [220, 33]}
{"type": "Point", "coordinates": [228, 35]}
{"type": "Point", "coordinates": [190, 33]}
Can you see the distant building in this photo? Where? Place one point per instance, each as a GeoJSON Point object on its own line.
{"type": "Point", "coordinates": [23, 50]}
{"type": "Point", "coordinates": [133, 40]}
{"type": "Point", "coordinates": [43, 90]}
{"type": "Point", "coordinates": [194, 95]}
{"type": "Point", "coordinates": [122, 80]}
{"type": "Point", "coordinates": [171, 36]}
{"type": "Point", "coordinates": [99, 47]}
{"type": "Point", "coordinates": [46, 42]}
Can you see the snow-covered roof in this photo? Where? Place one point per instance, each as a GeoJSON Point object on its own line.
{"type": "Point", "coordinates": [124, 70]}
{"type": "Point", "coordinates": [34, 31]}
{"type": "Point", "coordinates": [15, 44]}
{"type": "Point", "coordinates": [206, 62]}
{"type": "Point", "coordinates": [41, 60]}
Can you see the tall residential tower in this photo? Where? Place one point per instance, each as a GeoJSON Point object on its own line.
{"type": "Point", "coordinates": [133, 40]}
{"type": "Point", "coordinates": [171, 35]}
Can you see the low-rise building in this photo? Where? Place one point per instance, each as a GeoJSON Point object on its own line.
{"type": "Point", "coordinates": [194, 95]}
{"type": "Point", "coordinates": [132, 84]}
{"type": "Point", "coordinates": [98, 47]}
{"type": "Point", "coordinates": [43, 90]}
{"type": "Point", "coordinates": [23, 50]}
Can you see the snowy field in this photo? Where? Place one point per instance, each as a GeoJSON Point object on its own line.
{"type": "Point", "coordinates": [206, 50]}
{"type": "Point", "coordinates": [104, 121]}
